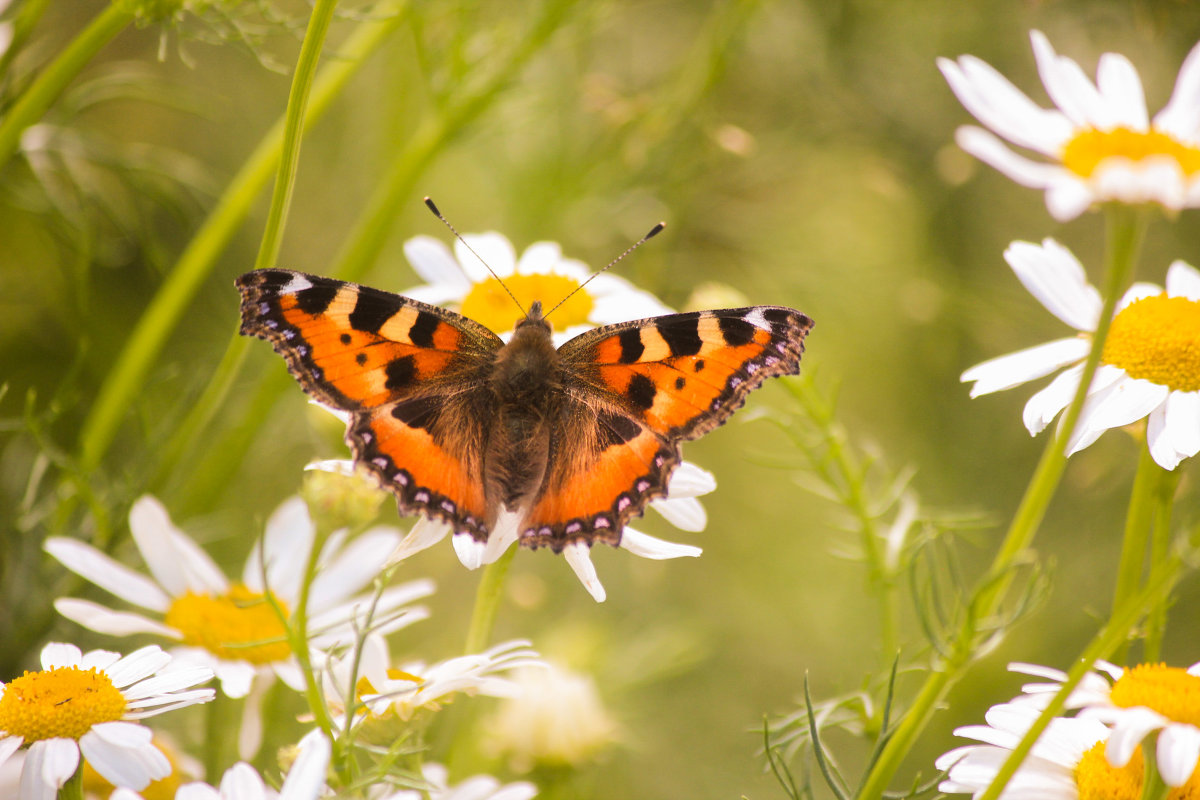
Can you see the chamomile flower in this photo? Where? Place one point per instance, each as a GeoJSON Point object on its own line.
{"type": "Point", "coordinates": [384, 691]}
{"type": "Point", "coordinates": [230, 626]}
{"type": "Point", "coordinates": [1136, 702]}
{"type": "Point", "coordinates": [477, 787]}
{"type": "Point", "coordinates": [305, 778]}
{"type": "Point", "coordinates": [1098, 143]}
{"type": "Point", "coordinates": [460, 279]}
{"type": "Point", "coordinates": [85, 705]}
{"type": "Point", "coordinates": [1150, 367]}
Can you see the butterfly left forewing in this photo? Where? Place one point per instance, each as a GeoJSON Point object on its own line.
{"type": "Point", "coordinates": [640, 389]}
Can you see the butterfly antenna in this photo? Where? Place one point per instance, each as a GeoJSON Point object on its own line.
{"type": "Point", "coordinates": [657, 229]}
{"type": "Point", "coordinates": [457, 235]}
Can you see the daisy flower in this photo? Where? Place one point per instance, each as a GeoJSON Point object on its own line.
{"type": "Point", "coordinates": [1098, 143]}
{"type": "Point", "coordinates": [477, 787]}
{"type": "Point", "coordinates": [1148, 698]}
{"type": "Point", "coordinates": [401, 691]}
{"type": "Point", "coordinates": [1150, 367]}
{"type": "Point", "coordinates": [227, 625]}
{"type": "Point", "coordinates": [460, 279]}
{"type": "Point", "coordinates": [305, 778]}
{"type": "Point", "coordinates": [86, 704]}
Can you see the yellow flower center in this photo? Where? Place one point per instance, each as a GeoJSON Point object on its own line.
{"type": "Point", "coordinates": [1170, 691]}
{"type": "Point", "coordinates": [1084, 153]}
{"type": "Point", "coordinates": [488, 304]}
{"type": "Point", "coordinates": [1096, 779]}
{"type": "Point", "coordinates": [59, 703]}
{"type": "Point", "coordinates": [1158, 339]}
{"type": "Point", "coordinates": [239, 625]}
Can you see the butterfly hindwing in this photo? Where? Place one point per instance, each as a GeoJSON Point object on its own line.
{"type": "Point", "coordinates": [640, 389]}
{"type": "Point", "coordinates": [410, 375]}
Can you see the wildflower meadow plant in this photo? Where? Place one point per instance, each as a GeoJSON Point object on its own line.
{"type": "Point", "coordinates": [155, 487]}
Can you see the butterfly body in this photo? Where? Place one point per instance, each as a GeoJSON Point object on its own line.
{"type": "Point", "coordinates": [517, 440]}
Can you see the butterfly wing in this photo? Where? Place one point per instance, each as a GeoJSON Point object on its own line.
{"type": "Point", "coordinates": [411, 376]}
{"type": "Point", "coordinates": [634, 392]}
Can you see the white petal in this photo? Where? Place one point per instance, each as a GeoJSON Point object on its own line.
{"type": "Point", "coordinates": [1037, 670]}
{"type": "Point", "coordinates": [492, 249]}
{"type": "Point", "coordinates": [1180, 117]}
{"type": "Point", "coordinates": [174, 560]}
{"type": "Point", "coordinates": [995, 102]}
{"type": "Point", "coordinates": [250, 732]}
{"type": "Point", "coordinates": [115, 623]}
{"type": "Point", "coordinates": [138, 665]}
{"type": "Point", "coordinates": [579, 557]}
{"type": "Point", "coordinates": [167, 685]}
{"type": "Point", "coordinates": [99, 659]}
{"type": "Point", "coordinates": [1007, 371]}
{"type": "Point", "coordinates": [1068, 197]}
{"type": "Point", "coordinates": [646, 546]}
{"type": "Point", "coordinates": [469, 551]}
{"type": "Point", "coordinates": [107, 573]}
{"type": "Point", "coordinates": [1059, 84]}
{"type": "Point", "coordinates": [306, 778]}
{"type": "Point", "coordinates": [1122, 403]}
{"type": "Point", "coordinates": [690, 480]}
{"type": "Point", "coordinates": [1121, 89]}
{"type": "Point", "coordinates": [423, 534]}
{"type": "Point", "coordinates": [236, 677]}
{"type": "Point", "coordinates": [354, 567]}
{"type": "Point", "coordinates": [1178, 749]}
{"type": "Point", "coordinates": [8, 746]}
{"type": "Point", "coordinates": [990, 150]}
{"type": "Point", "coordinates": [48, 765]}
{"type": "Point", "coordinates": [1054, 276]}
{"type": "Point", "coordinates": [59, 654]}
{"type": "Point", "coordinates": [1183, 280]}
{"type": "Point", "coordinates": [1135, 723]}
{"type": "Point", "coordinates": [1047, 403]}
{"type": "Point", "coordinates": [503, 534]}
{"type": "Point", "coordinates": [123, 758]}
{"type": "Point", "coordinates": [685, 513]}
{"type": "Point", "coordinates": [1173, 432]}
{"type": "Point", "coordinates": [239, 781]}
{"type": "Point", "coordinates": [1152, 179]}
{"type": "Point", "coordinates": [540, 258]}
{"type": "Point", "coordinates": [286, 544]}
{"type": "Point", "coordinates": [432, 260]}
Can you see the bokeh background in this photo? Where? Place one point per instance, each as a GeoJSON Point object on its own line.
{"type": "Point", "coordinates": [801, 153]}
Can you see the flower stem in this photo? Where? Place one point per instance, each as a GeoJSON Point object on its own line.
{"type": "Point", "coordinates": [42, 93]}
{"type": "Point", "coordinates": [1165, 483]}
{"type": "Point", "coordinates": [1139, 519]}
{"type": "Point", "coordinates": [1124, 233]}
{"type": "Point", "coordinates": [73, 788]}
{"type": "Point", "coordinates": [1153, 786]}
{"type": "Point", "coordinates": [487, 601]}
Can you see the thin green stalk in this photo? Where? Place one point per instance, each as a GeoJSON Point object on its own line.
{"type": "Point", "coordinates": [1153, 786]}
{"type": "Point", "coordinates": [1157, 589]}
{"type": "Point", "coordinates": [73, 788]}
{"type": "Point", "coordinates": [1124, 234]}
{"type": "Point", "coordinates": [23, 23]}
{"type": "Point", "coordinates": [49, 85]}
{"type": "Point", "coordinates": [169, 304]}
{"type": "Point", "coordinates": [1165, 484]}
{"type": "Point", "coordinates": [1139, 518]}
{"type": "Point", "coordinates": [289, 157]}
{"type": "Point", "coordinates": [487, 602]}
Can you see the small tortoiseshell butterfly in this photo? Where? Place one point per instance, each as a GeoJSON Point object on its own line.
{"type": "Point", "coordinates": [517, 440]}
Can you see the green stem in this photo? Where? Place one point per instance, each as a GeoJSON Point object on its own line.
{"type": "Point", "coordinates": [1124, 229]}
{"type": "Point", "coordinates": [1153, 786]}
{"type": "Point", "coordinates": [50, 84]}
{"type": "Point", "coordinates": [1157, 589]}
{"type": "Point", "coordinates": [487, 602]}
{"type": "Point", "coordinates": [221, 716]}
{"type": "Point", "coordinates": [1165, 483]}
{"type": "Point", "coordinates": [169, 304]}
{"type": "Point", "coordinates": [73, 788]}
{"type": "Point", "coordinates": [23, 23]}
{"type": "Point", "coordinates": [1139, 519]}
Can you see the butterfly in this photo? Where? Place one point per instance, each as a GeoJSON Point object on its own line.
{"type": "Point", "coordinates": [518, 440]}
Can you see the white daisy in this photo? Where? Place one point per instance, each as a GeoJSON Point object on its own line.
{"type": "Point", "coordinates": [1136, 702]}
{"type": "Point", "coordinates": [85, 704]}
{"type": "Point", "coordinates": [1098, 144]}
{"type": "Point", "coordinates": [680, 507]}
{"type": "Point", "coordinates": [1063, 758]}
{"type": "Point", "coordinates": [305, 778]}
{"type": "Point", "coordinates": [477, 787]}
{"type": "Point", "coordinates": [1150, 367]}
{"type": "Point", "coordinates": [542, 273]}
{"type": "Point", "coordinates": [401, 691]}
{"type": "Point", "coordinates": [228, 625]}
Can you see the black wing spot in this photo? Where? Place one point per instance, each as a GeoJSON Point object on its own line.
{"type": "Point", "coordinates": [736, 331]}
{"type": "Point", "coordinates": [777, 315]}
{"type": "Point", "coordinates": [681, 332]}
{"type": "Point", "coordinates": [641, 391]}
{"type": "Point", "coordinates": [373, 309]}
{"type": "Point", "coordinates": [631, 345]}
{"type": "Point", "coordinates": [616, 429]}
{"type": "Point", "coordinates": [680, 383]}
{"type": "Point", "coordinates": [316, 298]}
{"type": "Point", "coordinates": [361, 358]}
{"type": "Point", "coordinates": [346, 338]}
{"type": "Point", "coordinates": [400, 373]}
{"type": "Point", "coordinates": [699, 365]}
{"type": "Point", "coordinates": [421, 332]}
{"type": "Point", "coordinates": [419, 412]}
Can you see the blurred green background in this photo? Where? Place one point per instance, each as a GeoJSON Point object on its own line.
{"type": "Point", "coordinates": [800, 152]}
